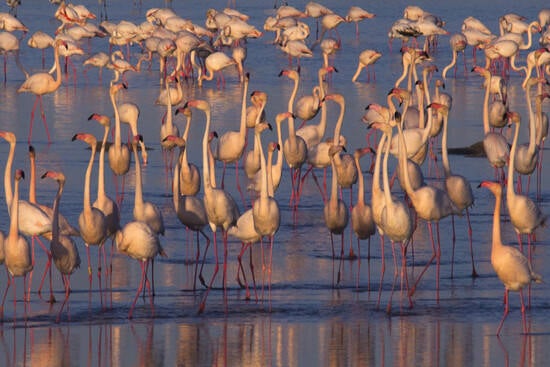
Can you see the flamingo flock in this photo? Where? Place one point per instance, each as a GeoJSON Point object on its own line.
{"type": "Point", "coordinates": [416, 115]}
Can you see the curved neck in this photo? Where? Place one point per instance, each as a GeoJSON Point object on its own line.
{"type": "Point", "coordinates": [58, 79]}
{"type": "Point", "coordinates": [205, 163]}
{"type": "Point", "coordinates": [7, 176]}
{"type": "Point", "coordinates": [293, 95]}
{"type": "Point", "coordinates": [277, 169]}
{"type": "Point", "coordinates": [385, 179]}
{"type": "Point", "coordinates": [320, 74]}
{"type": "Point", "coordinates": [263, 169]}
{"type": "Point", "coordinates": [176, 188]}
{"type": "Point", "coordinates": [183, 160]}
{"type": "Point", "coordinates": [242, 127]}
{"type": "Point", "coordinates": [402, 149]}
{"type": "Point", "coordinates": [334, 182]}
{"type": "Point", "coordinates": [532, 123]}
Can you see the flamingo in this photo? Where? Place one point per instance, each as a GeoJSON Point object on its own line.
{"type": "Point", "coordinates": [98, 60]}
{"type": "Point", "coordinates": [120, 66]}
{"type": "Point", "coordinates": [495, 145]}
{"type": "Point", "coordinates": [252, 161]}
{"type": "Point", "coordinates": [221, 209]}
{"type": "Point", "coordinates": [43, 83]}
{"type": "Point", "coordinates": [391, 215]}
{"type": "Point", "coordinates": [18, 258]}
{"type": "Point", "coordinates": [168, 128]}
{"type": "Point", "coordinates": [65, 228]}
{"type": "Point", "coordinates": [119, 155]}
{"type": "Point", "coordinates": [458, 44]}
{"type": "Point", "coordinates": [362, 221]}
{"type": "Point", "coordinates": [252, 112]}
{"type": "Point", "coordinates": [41, 41]}
{"type": "Point", "coordinates": [366, 58]}
{"type": "Point", "coordinates": [215, 62]}
{"type": "Point", "coordinates": [294, 147]}
{"type": "Point", "coordinates": [330, 22]}
{"type": "Point", "coordinates": [128, 113]}
{"type": "Point", "coordinates": [316, 10]}
{"type": "Point", "coordinates": [335, 210]}
{"type": "Point", "coordinates": [64, 251]}
{"type": "Point", "coordinates": [91, 221]}
{"type": "Point", "coordinates": [189, 209]}
{"type": "Point", "coordinates": [308, 106]}
{"type": "Point", "coordinates": [103, 202]}
{"type": "Point", "coordinates": [512, 267]}
{"type": "Point", "coordinates": [458, 188]}
{"type": "Point", "coordinates": [265, 211]}
{"type": "Point", "coordinates": [231, 144]}
{"type": "Point", "coordinates": [190, 176]}
{"type": "Point", "coordinates": [525, 215]}
{"type": "Point", "coordinates": [10, 44]}
{"type": "Point", "coordinates": [430, 203]}
{"type": "Point", "coordinates": [32, 221]}
{"type": "Point", "coordinates": [357, 14]}
{"type": "Point", "coordinates": [295, 48]}
{"type": "Point", "coordinates": [140, 242]}
{"type": "Point", "coordinates": [329, 46]}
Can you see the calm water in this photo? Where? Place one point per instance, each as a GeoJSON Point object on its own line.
{"type": "Point", "coordinates": [308, 321]}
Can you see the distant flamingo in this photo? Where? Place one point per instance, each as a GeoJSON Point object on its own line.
{"type": "Point", "coordinates": [18, 258]}
{"type": "Point", "coordinates": [221, 209]}
{"type": "Point", "coordinates": [335, 211]}
{"type": "Point", "coordinates": [41, 41]}
{"type": "Point", "coordinates": [252, 159]}
{"type": "Point", "coordinates": [458, 44]}
{"type": "Point", "coordinates": [140, 242]}
{"type": "Point", "coordinates": [361, 214]}
{"type": "Point", "coordinates": [92, 224]}
{"type": "Point", "coordinates": [43, 83]}
{"type": "Point", "coordinates": [189, 208]}
{"type": "Point", "coordinates": [215, 62]}
{"type": "Point", "coordinates": [168, 128]}
{"type": "Point", "coordinates": [458, 188]}
{"type": "Point", "coordinates": [512, 267]}
{"type": "Point", "coordinates": [98, 60]}
{"type": "Point", "coordinates": [525, 215]}
{"type": "Point", "coordinates": [307, 107]}
{"type": "Point", "coordinates": [10, 44]}
{"type": "Point", "coordinates": [294, 148]}
{"type": "Point", "coordinates": [366, 58]}
{"type": "Point", "coordinates": [190, 176]}
{"type": "Point", "coordinates": [357, 14]}
{"type": "Point", "coordinates": [64, 251]}
{"type": "Point", "coordinates": [129, 113]}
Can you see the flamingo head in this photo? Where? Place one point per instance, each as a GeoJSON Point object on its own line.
{"type": "Point", "coordinates": [55, 175]}
{"type": "Point", "coordinates": [19, 174]}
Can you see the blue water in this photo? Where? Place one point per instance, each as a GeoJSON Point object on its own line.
{"type": "Point", "coordinates": [307, 320]}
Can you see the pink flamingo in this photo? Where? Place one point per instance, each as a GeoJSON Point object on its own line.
{"type": "Point", "coordinates": [512, 267]}
{"type": "Point", "coordinates": [43, 83]}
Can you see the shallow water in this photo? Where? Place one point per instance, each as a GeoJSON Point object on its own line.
{"type": "Point", "coordinates": [306, 320]}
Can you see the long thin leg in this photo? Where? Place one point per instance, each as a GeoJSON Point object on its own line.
{"type": "Point", "coordinates": [506, 310]}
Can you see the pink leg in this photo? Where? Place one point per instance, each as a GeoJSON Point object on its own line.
{"type": "Point", "coordinates": [140, 288]}
{"type": "Point", "coordinates": [506, 310]}
{"type": "Point", "coordinates": [216, 268]}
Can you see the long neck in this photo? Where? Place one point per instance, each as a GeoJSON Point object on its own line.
{"type": "Point", "coordinates": [385, 179]}
{"type": "Point", "coordinates": [269, 168]}
{"type": "Point", "coordinates": [101, 169]}
{"type": "Point", "coordinates": [360, 183]}
{"type": "Point", "coordinates": [242, 127]}
{"type": "Point", "coordinates": [511, 165]}
{"type": "Point", "coordinates": [532, 123]}
{"type": "Point", "coordinates": [55, 218]}
{"type": "Point", "coordinates": [58, 79]}
{"type": "Point", "coordinates": [32, 181]}
{"type": "Point", "coordinates": [529, 37]}
{"type": "Point", "coordinates": [376, 175]}
{"type": "Point", "coordinates": [338, 127]}
{"type": "Point", "coordinates": [118, 139]}
{"type": "Point", "coordinates": [7, 176]}
{"type": "Point", "coordinates": [138, 196]}
{"type": "Point", "coordinates": [183, 160]}
{"type": "Point", "coordinates": [333, 183]}
{"type": "Point", "coordinates": [486, 128]}
{"type": "Point", "coordinates": [497, 241]}
{"type": "Point", "coordinates": [444, 153]}
{"type": "Point", "coordinates": [293, 95]}
{"type": "Point", "coordinates": [263, 169]}
{"type": "Point", "coordinates": [403, 162]}
{"type": "Point", "coordinates": [420, 98]}
{"type": "Point", "coordinates": [176, 187]}
{"type": "Point", "coordinates": [14, 217]}
{"type": "Point", "coordinates": [168, 120]}
{"type": "Point", "coordinates": [277, 169]}
{"type": "Point", "coordinates": [205, 164]}
{"type": "Point", "coordinates": [321, 74]}
{"type": "Point", "coordinates": [87, 205]}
